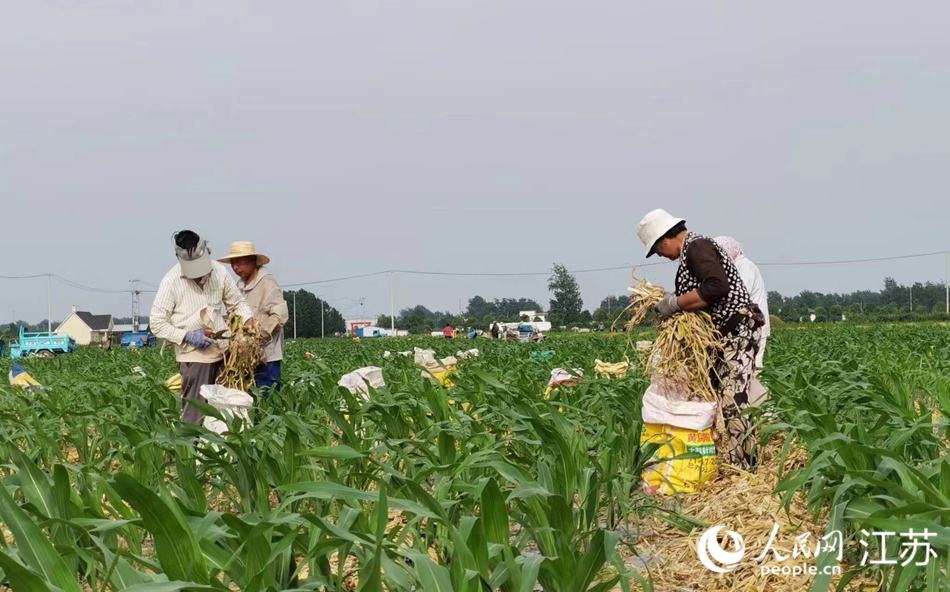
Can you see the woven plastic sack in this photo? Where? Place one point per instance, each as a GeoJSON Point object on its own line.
{"type": "Point", "coordinates": [675, 475]}
{"type": "Point", "coordinates": [231, 402]}
{"type": "Point", "coordinates": [690, 415]}
{"type": "Point", "coordinates": [174, 383]}
{"type": "Point", "coordinates": [609, 370]}
{"type": "Point", "coordinates": [358, 382]}
{"type": "Point", "coordinates": [423, 356]}
{"type": "Point", "coordinates": [561, 377]}
{"type": "Point", "coordinates": [441, 372]}
{"type": "Point", "coordinates": [20, 378]}
{"type": "Point", "coordinates": [757, 392]}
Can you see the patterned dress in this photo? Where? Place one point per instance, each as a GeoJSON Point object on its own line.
{"type": "Point", "coordinates": [733, 367]}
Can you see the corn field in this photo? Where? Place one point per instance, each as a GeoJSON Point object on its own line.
{"type": "Point", "coordinates": [487, 485]}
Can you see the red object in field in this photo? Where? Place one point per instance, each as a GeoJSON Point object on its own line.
{"type": "Point", "coordinates": [308, 355]}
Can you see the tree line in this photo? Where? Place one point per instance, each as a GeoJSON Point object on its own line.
{"type": "Point", "coordinates": [565, 308]}
{"type": "Point", "coordinates": [895, 302]}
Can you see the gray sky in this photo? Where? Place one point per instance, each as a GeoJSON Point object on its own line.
{"type": "Point", "coordinates": [350, 137]}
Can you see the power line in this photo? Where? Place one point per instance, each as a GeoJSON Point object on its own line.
{"type": "Point", "coordinates": [98, 290]}
{"type": "Point", "coordinates": [526, 273]}
{"type": "Point", "coordinates": [23, 277]}
{"type": "Point", "coordinates": [86, 288]}
{"type": "Point", "coordinates": [352, 277]}
{"type": "Point", "coordinates": [853, 260]}
{"type": "Point", "coordinates": [602, 269]}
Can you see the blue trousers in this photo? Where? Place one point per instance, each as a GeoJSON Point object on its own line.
{"type": "Point", "coordinates": [267, 377]}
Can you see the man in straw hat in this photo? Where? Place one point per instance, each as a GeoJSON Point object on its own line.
{"type": "Point", "coordinates": [265, 297]}
{"type": "Point", "coordinates": [187, 310]}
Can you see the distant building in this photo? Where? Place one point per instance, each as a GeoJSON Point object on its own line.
{"type": "Point", "coordinates": [366, 328]}
{"type": "Point", "coordinates": [86, 328]}
{"type": "Point", "coordinates": [353, 324]}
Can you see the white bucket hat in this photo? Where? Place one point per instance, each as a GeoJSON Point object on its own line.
{"type": "Point", "coordinates": [195, 263]}
{"type": "Point", "coordinates": [654, 225]}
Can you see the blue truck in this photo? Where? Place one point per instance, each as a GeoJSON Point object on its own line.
{"type": "Point", "coordinates": [41, 344]}
{"type": "Point", "coordinates": [138, 339]}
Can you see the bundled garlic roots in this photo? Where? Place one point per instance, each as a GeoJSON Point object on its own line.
{"type": "Point", "coordinates": [685, 343]}
{"type": "Point", "coordinates": [244, 355]}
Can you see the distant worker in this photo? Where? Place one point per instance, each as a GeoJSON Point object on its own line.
{"type": "Point", "coordinates": [494, 330]}
{"type": "Point", "coordinates": [707, 279]}
{"type": "Point", "coordinates": [195, 285]}
{"type": "Point", "coordinates": [447, 331]}
{"type": "Point", "coordinates": [752, 279]}
{"type": "Point", "coordinates": [266, 299]}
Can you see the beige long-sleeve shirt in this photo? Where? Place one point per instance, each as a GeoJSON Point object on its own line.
{"type": "Point", "coordinates": [178, 305]}
{"type": "Point", "coordinates": [266, 298]}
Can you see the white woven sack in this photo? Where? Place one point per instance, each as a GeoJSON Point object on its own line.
{"type": "Point", "coordinates": [690, 415]}
{"type": "Point", "coordinates": [359, 381]}
{"type": "Point", "coordinates": [231, 402]}
{"type": "Point", "coordinates": [422, 356]}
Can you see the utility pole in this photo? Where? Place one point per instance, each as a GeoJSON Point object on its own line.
{"type": "Point", "coordinates": [49, 302]}
{"type": "Point", "coordinates": [322, 305]}
{"type": "Point", "coordinates": [295, 315]}
{"type": "Point", "coordinates": [946, 282]}
{"type": "Point", "coordinates": [135, 305]}
{"type": "Point", "coordinates": [912, 298]}
{"type": "Point", "coordinates": [392, 306]}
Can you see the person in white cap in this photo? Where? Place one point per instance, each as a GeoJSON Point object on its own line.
{"type": "Point", "coordinates": [754, 283]}
{"type": "Point", "coordinates": [187, 312]}
{"type": "Point", "coordinates": [707, 279]}
{"type": "Point", "coordinates": [266, 299]}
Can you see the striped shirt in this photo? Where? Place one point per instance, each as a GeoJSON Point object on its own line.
{"type": "Point", "coordinates": [178, 306]}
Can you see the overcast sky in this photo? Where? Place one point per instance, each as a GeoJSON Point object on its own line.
{"type": "Point", "coordinates": [348, 137]}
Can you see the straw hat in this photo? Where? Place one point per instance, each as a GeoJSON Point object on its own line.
{"type": "Point", "coordinates": [244, 249]}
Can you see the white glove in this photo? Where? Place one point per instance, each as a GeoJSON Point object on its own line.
{"type": "Point", "coordinates": [667, 306]}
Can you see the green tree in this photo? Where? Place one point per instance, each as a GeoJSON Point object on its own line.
{"type": "Point", "coordinates": [820, 316]}
{"type": "Point", "coordinates": [836, 312]}
{"type": "Point", "coordinates": [480, 308]}
{"type": "Point", "coordinates": [419, 320]}
{"type": "Point", "coordinates": [308, 320]}
{"type": "Point", "coordinates": [567, 304]}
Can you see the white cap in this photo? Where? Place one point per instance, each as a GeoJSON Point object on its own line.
{"type": "Point", "coordinates": [196, 263]}
{"type": "Point", "coordinates": [654, 225]}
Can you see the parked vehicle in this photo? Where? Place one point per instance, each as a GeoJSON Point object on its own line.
{"type": "Point", "coordinates": [41, 344]}
{"type": "Point", "coordinates": [138, 339]}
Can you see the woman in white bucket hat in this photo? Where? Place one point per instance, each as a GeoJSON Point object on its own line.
{"type": "Point", "coordinates": [708, 279]}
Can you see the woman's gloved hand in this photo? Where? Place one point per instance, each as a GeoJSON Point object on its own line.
{"type": "Point", "coordinates": [198, 339]}
{"type": "Point", "coordinates": [667, 306]}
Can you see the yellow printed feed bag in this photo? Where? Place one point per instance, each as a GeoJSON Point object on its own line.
{"type": "Point", "coordinates": [174, 383]}
{"type": "Point", "coordinates": [20, 378]}
{"type": "Point", "coordinates": [440, 374]}
{"type": "Point", "coordinates": [679, 475]}
{"type": "Point", "coordinates": [608, 370]}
